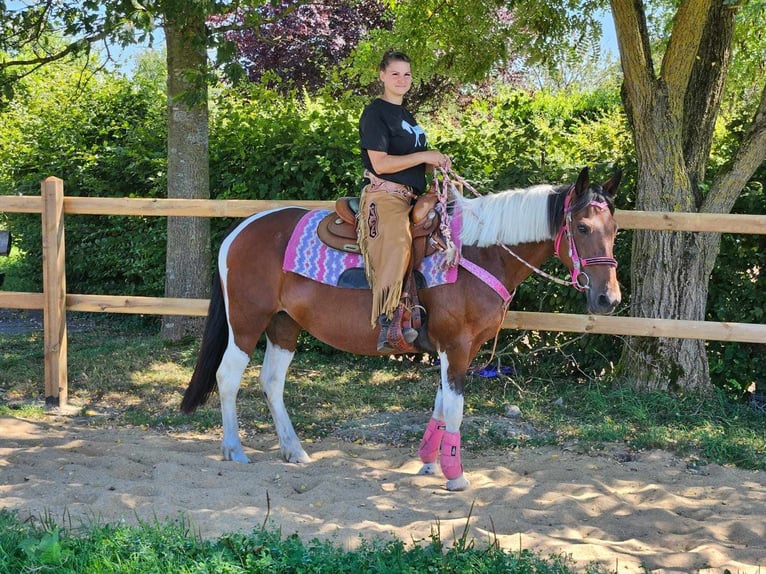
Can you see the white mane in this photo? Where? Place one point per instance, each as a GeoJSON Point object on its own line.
{"type": "Point", "coordinates": [508, 217]}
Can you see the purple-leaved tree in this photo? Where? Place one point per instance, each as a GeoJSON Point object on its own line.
{"type": "Point", "coordinates": [294, 44]}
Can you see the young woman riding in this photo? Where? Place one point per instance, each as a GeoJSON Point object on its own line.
{"type": "Point", "coordinates": [396, 158]}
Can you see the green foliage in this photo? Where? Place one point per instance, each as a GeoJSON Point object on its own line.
{"type": "Point", "coordinates": [105, 139]}
{"type": "Point", "coordinates": [735, 294]}
{"type": "Point", "coordinates": [267, 146]}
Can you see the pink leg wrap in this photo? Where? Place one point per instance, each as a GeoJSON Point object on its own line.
{"type": "Point", "coordinates": [452, 467]}
{"type": "Point", "coordinates": [432, 438]}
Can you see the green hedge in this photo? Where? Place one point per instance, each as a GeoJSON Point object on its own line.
{"type": "Point", "coordinates": [104, 139]}
{"type": "Point", "coordinates": [108, 140]}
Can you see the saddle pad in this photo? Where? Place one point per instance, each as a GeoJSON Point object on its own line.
{"type": "Point", "coordinates": [306, 255]}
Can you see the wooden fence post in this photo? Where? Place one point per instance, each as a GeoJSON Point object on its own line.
{"type": "Point", "coordinates": [54, 292]}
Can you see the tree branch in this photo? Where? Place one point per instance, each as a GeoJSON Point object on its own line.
{"type": "Point", "coordinates": [242, 24]}
{"type": "Point", "coordinates": [683, 49]}
{"type": "Point", "coordinates": [750, 154]}
{"type": "Point", "coordinates": [635, 53]}
{"type": "Point", "coordinates": [68, 50]}
{"type": "Point", "coordinates": [704, 93]}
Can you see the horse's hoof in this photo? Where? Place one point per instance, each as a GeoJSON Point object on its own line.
{"type": "Point", "coordinates": [458, 484]}
{"type": "Point", "coordinates": [297, 458]}
{"type": "Point", "coordinates": [428, 468]}
{"type": "Point", "coordinates": [235, 455]}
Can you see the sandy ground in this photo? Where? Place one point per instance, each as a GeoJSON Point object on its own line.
{"type": "Point", "coordinates": [625, 511]}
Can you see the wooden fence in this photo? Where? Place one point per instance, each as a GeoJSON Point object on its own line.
{"type": "Point", "coordinates": [55, 301]}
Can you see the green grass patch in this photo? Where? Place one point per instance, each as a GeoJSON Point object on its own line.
{"type": "Point", "coordinates": [122, 373]}
{"type": "Point", "coordinates": [173, 548]}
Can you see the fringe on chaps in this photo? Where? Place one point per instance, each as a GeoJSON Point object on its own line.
{"type": "Point", "coordinates": [385, 240]}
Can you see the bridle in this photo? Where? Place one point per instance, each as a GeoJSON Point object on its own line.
{"type": "Point", "coordinates": [580, 279]}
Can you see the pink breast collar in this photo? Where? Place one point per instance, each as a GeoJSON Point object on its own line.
{"type": "Point", "coordinates": [488, 279]}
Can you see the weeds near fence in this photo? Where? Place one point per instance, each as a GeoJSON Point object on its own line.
{"type": "Point", "coordinates": [125, 375]}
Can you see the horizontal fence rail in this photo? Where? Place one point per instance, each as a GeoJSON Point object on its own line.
{"type": "Point", "coordinates": [652, 220]}
{"type": "Point", "coordinates": [54, 301]}
{"type": "Point", "coordinates": [534, 321]}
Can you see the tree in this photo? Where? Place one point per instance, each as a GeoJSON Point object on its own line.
{"type": "Point", "coordinates": [187, 264]}
{"type": "Point", "coordinates": [29, 30]}
{"type": "Point", "coordinates": [673, 113]}
{"type": "Point", "coordinates": [297, 45]}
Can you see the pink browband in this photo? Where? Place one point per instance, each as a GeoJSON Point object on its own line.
{"type": "Point", "coordinates": [580, 279]}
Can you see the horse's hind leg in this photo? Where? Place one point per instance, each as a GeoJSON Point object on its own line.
{"type": "Point", "coordinates": [276, 361]}
{"type": "Point", "coordinates": [229, 376]}
{"type": "Point", "coordinates": [281, 337]}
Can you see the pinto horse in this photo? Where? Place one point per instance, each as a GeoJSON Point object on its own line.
{"type": "Point", "coordinates": [505, 236]}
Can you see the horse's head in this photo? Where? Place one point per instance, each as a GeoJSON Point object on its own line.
{"type": "Point", "coordinates": [585, 242]}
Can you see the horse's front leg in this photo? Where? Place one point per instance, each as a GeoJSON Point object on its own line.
{"type": "Point", "coordinates": [432, 438]}
{"type": "Point", "coordinates": [276, 361]}
{"type": "Point", "coordinates": [444, 427]}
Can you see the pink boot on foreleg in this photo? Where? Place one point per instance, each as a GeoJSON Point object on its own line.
{"type": "Point", "coordinates": [452, 466]}
{"type": "Point", "coordinates": [429, 446]}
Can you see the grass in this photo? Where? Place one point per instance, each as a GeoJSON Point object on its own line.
{"type": "Point", "coordinates": [172, 547]}
{"type": "Point", "coordinates": [122, 375]}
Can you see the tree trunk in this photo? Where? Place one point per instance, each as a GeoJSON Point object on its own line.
{"type": "Point", "coordinates": [672, 115]}
{"type": "Point", "coordinates": [669, 280]}
{"type": "Point", "coordinates": [188, 244]}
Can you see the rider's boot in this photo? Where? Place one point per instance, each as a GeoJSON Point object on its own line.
{"type": "Point", "coordinates": [383, 345]}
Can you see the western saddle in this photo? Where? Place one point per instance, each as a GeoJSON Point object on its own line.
{"type": "Point", "coordinates": [338, 230]}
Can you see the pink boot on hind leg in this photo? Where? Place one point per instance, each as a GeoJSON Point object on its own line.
{"type": "Point", "coordinates": [452, 466]}
{"type": "Point", "coordinates": [429, 446]}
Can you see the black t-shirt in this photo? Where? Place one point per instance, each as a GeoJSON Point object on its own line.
{"type": "Point", "coordinates": [391, 128]}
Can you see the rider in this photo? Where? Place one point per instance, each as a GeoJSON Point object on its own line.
{"type": "Point", "coordinates": [396, 158]}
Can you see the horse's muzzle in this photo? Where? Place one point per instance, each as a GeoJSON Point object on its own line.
{"type": "Point", "coordinates": [603, 302]}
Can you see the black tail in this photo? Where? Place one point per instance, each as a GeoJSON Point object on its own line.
{"type": "Point", "coordinates": [214, 342]}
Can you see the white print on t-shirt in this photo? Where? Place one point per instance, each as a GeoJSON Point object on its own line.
{"type": "Point", "coordinates": [417, 131]}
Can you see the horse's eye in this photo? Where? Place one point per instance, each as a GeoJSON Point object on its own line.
{"type": "Point", "coordinates": [582, 228]}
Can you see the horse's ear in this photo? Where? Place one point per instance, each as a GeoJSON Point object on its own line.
{"type": "Point", "coordinates": [610, 186]}
{"type": "Point", "coordinates": [583, 182]}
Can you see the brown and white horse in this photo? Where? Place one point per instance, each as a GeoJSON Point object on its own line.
{"type": "Point", "coordinates": [253, 295]}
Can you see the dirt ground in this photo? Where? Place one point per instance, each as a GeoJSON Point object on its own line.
{"type": "Point", "coordinates": [623, 510]}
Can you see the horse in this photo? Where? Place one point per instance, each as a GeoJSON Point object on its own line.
{"type": "Point", "coordinates": [505, 237]}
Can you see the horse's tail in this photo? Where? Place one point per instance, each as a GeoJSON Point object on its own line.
{"type": "Point", "coordinates": [214, 341]}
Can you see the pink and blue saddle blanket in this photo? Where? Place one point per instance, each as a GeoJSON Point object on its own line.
{"type": "Point", "coordinates": [306, 255]}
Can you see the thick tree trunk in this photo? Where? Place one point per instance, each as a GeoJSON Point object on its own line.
{"type": "Point", "coordinates": [672, 114]}
{"type": "Point", "coordinates": [188, 248]}
{"type": "Point", "coordinates": [669, 280]}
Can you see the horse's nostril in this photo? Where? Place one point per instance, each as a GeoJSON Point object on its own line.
{"type": "Point", "coordinates": [606, 302]}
